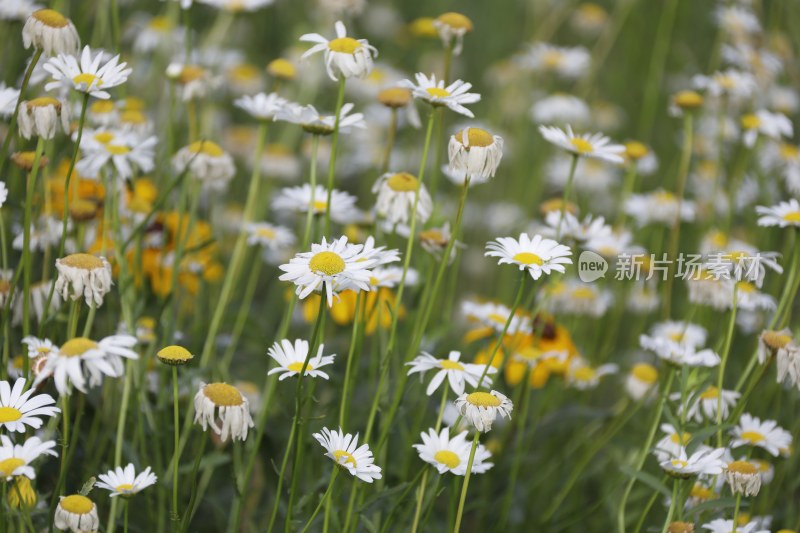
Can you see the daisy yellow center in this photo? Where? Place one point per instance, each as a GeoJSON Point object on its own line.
{"type": "Point", "coordinates": [51, 18]}
{"type": "Point", "coordinates": [789, 151]}
{"type": "Point", "coordinates": [498, 318]}
{"type": "Point", "coordinates": [102, 107]}
{"type": "Point", "coordinates": [344, 45]}
{"type": "Point", "coordinates": [584, 373]}
{"type": "Point", "coordinates": [281, 68]}
{"type": "Point", "coordinates": [711, 393]}
{"type": "Point", "coordinates": [743, 467]}
{"type": "Point", "coordinates": [77, 347]}
{"type": "Point", "coordinates": [750, 122]}
{"type": "Point", "coordinates": [9, 465]}
{"type": "Point", "coordinates": [688, 99]}
{"type": "Point", "coordinates": [117, 149]}
{"type": "Point", "coordinates": [125, 487]}
{"type": "Point", "coordinates": [328, 263]}
{"type": "Point", "coordinates": [298, 366]}
{"type": "Point", "coordinates": [395, 97]}
{"type": "Point", "coordinates": [208, 148]}
{"type": "Point", "coordinates": [223, 394]}
{"type": "Point", "coordinates": [133, 103]}
{"type": "Point", "coordinates": [645, 373]}
{"type": "Point", "coordinates": [437, 92]}
{"type": "Point", "coordinates": [266, 233]}
{"type": "Point", "coordinates": [433, 236]}
{"type": "Point", "coordinates": [133, 116]}
{"type": "Point", "coordinates": [582, 146]}
{"type": "Point", "coordinates": [775, 339]}
{"type": "Point", "coordinates": [82, 261]}
{"type": "Point", "coordinates": [160, 24]}
{"type": "Point", "coordinates": [726, 82]}
{"type": "Point", "coordinates": [456, 21]}
{"type": "Point", "coordinates": [753, 436]}
{"type": "Point", "coordinates": [104, 137]}
{"type": "Point", "coordinates": [320, 205]}
{"type": "Point", "coordinates": [677, 336]}
{"type": "Point", "coordinates": [552, 58]}
{"type": "Point", "coordinates": [475, 137]}
{"type": "Point", "coordinates": [528, 258]}
{"type": "Point", "coordinates": [244, 73]}
{"type": "Point", "coordinates": [702, 493]}
{"type": "Point", "coordinates": [77, 504]}
{"type": "Point", "coordinates": [483, 399]}
{"type": "Point", "coordinates": [679, 463]}
{"type": "Point", "coordinates": [9, 414]}
{"type": "Point", "coordinates": [718, 239]}
{"type": "Point", "coordinates": [793, 216]}
{"type": "Point", "coordinates": [88, 79]}
{"type": "Point", "coordinates": [681, 439]}
{"type": "Point", "coordinates": [175, 353]}
{"type": "Point", "coordinates": [447, 458]}
{"type": "Point", "coordinates": [402, 182]}
{"type": "Point", "coordinates": [746, 286]}
{"type": "Point", "coordinates": [635, 150]}
{"type": "Point", "coordinates": [584, 293]}
{"type": "Point", "coordinates": [447, 364]}
{"type": "Point", "coordinates": [191, 73]}
{"type": "Point", "coordinates": [664, 197]}
{"type": "Point", "coordinates": [44, 101]}
{"type": "Point", "coordinates": [348, 457]}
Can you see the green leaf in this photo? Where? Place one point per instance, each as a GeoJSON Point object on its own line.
{"type": "Point", "coordinates": [648, 479]}
{"type": "Point", "coordinates": [701, 435]}
{"type": "Point", "coordinates": [713, 505]}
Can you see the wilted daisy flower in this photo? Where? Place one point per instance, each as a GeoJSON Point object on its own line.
{"type": "Point", "coordinates": [451, 26]}
{"type": "Point", "coordinates": [671, 444]}
{"type": "Point", "coordinates": [207, 162]}
{"type": "Point", "coordinates": [784, 214]}
{"type": "Point", "coordinates": [125, 482]}
{"type": "Point", "coordinates": [18, 409]}
{"type": "Point", "coordinates": [225, 409]}
{"type": "Point", "coordinates": [313, 122]}
{"type": "Point", "coordinates": [705, 461]}
{"type": "Point", "coordinates": [452, 454]}
{"type": "Point", "coordinates": [262, 106]}
{"type": "Point", "coordinates": [51, 32]}
{"type": "Point", "coordinates": [291, 358]}
{"type": "Point", "coordinates": [764, 123]}
{"type": "Point", "coordinates": [342, 448]}
{"type": "Point", "coordinates": [560, 109]}
{"type": "Point", "coordinates": [710, 401]}
{"type": "Point", "coordinates": [397, 194]}
{"type": "Point", "coordinates": [76, 513]}
{"type": "Point", "coordinates": [271, 237]}
{"type": "Point", "coordinates": [337, 265]}
{"type": "Point", "coordinates": [41, 117]}
{"type": "Point", "coordinates": [456, 372]}
{"type": "Point", "coordinates": [126, 152]}
{"type": "Point", "coordinates": [88, 76]}
{"type": "Point", "coordinates": [344, 56]}
{"type": "Point", "coordinates": [784, 348]}
{"type": "Point", "coordinates": [566, 62]}
{"type": "Point", "coordinates": [594, 145]}
{"type": "Point", "coordinates": [476, 152]}
{"type": "Point", "coordinates": [743, 478]}
{"type": "Point", "coordinates": [641, 380]}
{"type": "Point", "coordinates": [15, 459]}
{"type": "Point", "coordinates": [481, 408]}
{"type": "Point", "coordinates": [751, 431]}
{"type": "Point", "coordinates": [83, 275]}
{"type": "Point", "coordinates": [659, 206]}
{"type": "Point", "coordinates": [81, 357]}
{"type": "Point", "coordinates": [436, 94]}
{"type": "Point", "coordinates": [537, 255]}
{"type": "Point", "coordinates": [304, 197]}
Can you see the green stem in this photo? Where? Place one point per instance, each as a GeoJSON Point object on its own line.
{"type": "Point", "coordinates": [464, 487]}
{"type": "Point", "coordinates": [736, 510]}
{"type": "Point", "coordinates": [12, 125]}
{"type": "Point", "coordinates": [671, 511]}
{"type": "Point", "coordinates": [30, 187]}
{"type": "Point", "coordinates": [390, 136]}
{"type": "Point", "coordinates": [567, 191]}
{"type": "Point", "coordinates": [323, 500]}
{"type": "Point", "coordinates": [511, 314]}
{"type": "Point", "coordinates": [357, 318]}
{"type": "Point", "coordinates": [724, 360]}
{"type": "Point", "coordinates": [313, 179]}
{"type": "Point", "coordinates": [176, 432]}
{"type": "Point", "coordinates": [332, 164]}
{"type": "Point", "coordinates": [654, 76]}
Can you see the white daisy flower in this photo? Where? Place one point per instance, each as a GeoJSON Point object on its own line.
{"type": "Point", "coordinates": [51, 32]}
{"type": "Point", "coordinates": [262, 106]}
{"type": "Point", "coordinates": [476, 152]}
{"type": "Point", "coordinates": [495, 315]}
{"type": "Point", "coordinates": [707, 403]}
{"type": "Point", "coordinates": [316, 123]}
{"type": "Point", "coordinates": [342, 448]}
{"type": "Point", "coordinates": [18, 409]}
{"type": "Point", "coordinates": [301, 199]}
{"type": "Point", "coordinates": [660, 206]}
{"type": "Point", "coordinates": [594, 180]}
{"type": "Point", "coordinates": [88, 76]}
{"type": "Point", "coordinates": [783, 214]}
{"type": "Point", "coordinates": [344, 56]}
{"type": "Point", "coordinates": [456, 372]}
{"type": "Point", "coordinates": [784, 348]}
{"type": "Point", "coordinates": [574, 297]}
{"type": "Point", "coordinates": [537, 255]}
{"type": "Point", "coordinates": [749, 298]}
{"type": "Point", "coordinates": [743, 478]}
{"type": "Point", "coordinates": [390, 277]}
{"type": "Point", "coordinates": [737, 20]}
{"type": "Point", "coordinates": [684, 333]}
{"type": "Point", "coordinates": [671, 444]}
{"type": "Point", "coordinates": [225, 409]}
{"type": "Point", "coordinates": [677, 353]}
{"type": "Point", "coordinates": [337, 265]}
{"type": "Point", "coordinates": [583, 376]}
{"type": "Point", "coordinates": [560, 109]}
{"type": "Point", "coordinates": [125, 482]}
{"type": "Point", "coordinates": [397, 194]}
{"type": "Point", "coordinates": [774, 126]}
{"type": "Point", "coordinates": [751, 431]}
{"type": "Point", "coordinates": [434, 240]}
{"type": "Point", "coordinates": [452, 454]}
{"type": "Point", "coordinates": [594, 145]}
{"type": "Point", "coordinates": [641, 381]}
{"type": "Point", "coordinates": [271, 237]}
{"type": "Point", "coordinates": [721, 525]}
{"type": "Point", "coordinates": [566, 62]}
{"type": "Point", "coordinates": [79, 358]}
{"type": "Point", "coordinates": [238, 6]}
{"type": "Point", "coordinates": [194, 82]}
{"type": "Point", "coordinates": [39, 299]}
{"type": "Point", "coordinates": [76, 513]}
{"type": "Point", "coordinates": [39, 347]}
{"type": "Point", "coordinates": [126, 152]}
{"type": "Point", "coordinates": [17, 9]}
{"type": "Point", "coordinates": [83, 275]}
{"type": "Point", "coordinates": [452, 26]}
{"type": "Point", "coordinates": [15, 459]}
{"type": "Point", "coordinates": [291, 358]}
{"type": "Point", "coordinates": [8, 99]}
{"type": "Point", "coordinates": [207, 162]}
{"type": "Point", "coordinates": [706, 461]}
{"type": "Point", "coordinates": [734, 84]}
{"type": "Point", "coordinates": [454, 96]}
{"type": "Point", "coordinates": [41, 117]}
{"type": "Point", "coordinates": [481, 408]}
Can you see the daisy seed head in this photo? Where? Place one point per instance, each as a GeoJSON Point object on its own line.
{"type": "Point", "coordinates": [24, 160]}
{"type": "Point", "coordinates": [174, 355]}
{"type": "Point", "coordinates": [681, 527]}
{"type": "Point", "coordinates": [223, 394]}
{"type": "Point", "coordinates": [688, 100]}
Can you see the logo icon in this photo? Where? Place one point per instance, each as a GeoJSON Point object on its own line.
{"type": "Point", "coordinates": [591, 266]}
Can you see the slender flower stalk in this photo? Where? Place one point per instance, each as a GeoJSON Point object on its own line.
{"type": "Point", "coordinates": [12, 126]}
{"type": "Point", "coordinates": [325, 498]}
{"type": "Point", "coordinates": [30, 186]}
{"type": "Point", "coordinates": [464, 487]}
{"type": "Point", "coordinates": [334, 148]}
{"type": "Point", "coordinates": [726, 349]}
